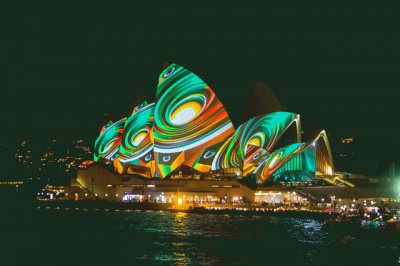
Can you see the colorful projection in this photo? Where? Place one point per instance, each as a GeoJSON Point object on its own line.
{"type": "Point", "coordinates": [295, 162]}
{"type": "Point", "coordinates": [188, 117]}
{"type": "Point", "coordinates": [261, 131]}
{"type": "Point", "coordinates": [137, 145]}
{"type": "Point", "coordinates": [107, 144]}
{"type": "Point", "coordinates": [301, 168]}
{"type": "Point", "coordinates": [270, 163]}
{"type": "Point", "coordinates": [227, 155]}
{"type": "Point", "coordinates": [188, 125]}
{"type": "Point", "coordinates": [253, 155]}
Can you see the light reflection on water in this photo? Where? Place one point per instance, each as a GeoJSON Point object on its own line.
{"type": "Point", "coordinates": [154, 237]}
{"type": "Point", "coordinates": [224, 239]}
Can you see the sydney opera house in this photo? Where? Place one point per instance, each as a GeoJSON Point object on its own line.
{"type": "Point", "coordinates": [185, 143]}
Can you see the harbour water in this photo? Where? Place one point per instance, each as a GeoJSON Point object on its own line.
{"type": "Point", "coordinates": [69, 236]}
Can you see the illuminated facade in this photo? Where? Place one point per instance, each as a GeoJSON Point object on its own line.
{"type": "Point", "coordinates": [188, 128]}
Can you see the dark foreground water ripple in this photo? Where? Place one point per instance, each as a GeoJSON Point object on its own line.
{"type": "Point", "coordinates": [77, 237]}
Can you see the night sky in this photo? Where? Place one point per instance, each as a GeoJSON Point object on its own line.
{"type": "Point", "coordinates": [62, 70]}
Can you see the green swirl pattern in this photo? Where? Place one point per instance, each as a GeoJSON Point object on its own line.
{"type": "Point", "coordinates": [136, 142]}
{"type": "Point", "coordinates": [107, 143]}
{"type": "Point", "coordinates": [261, 131]}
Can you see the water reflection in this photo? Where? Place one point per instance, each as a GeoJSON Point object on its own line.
{"type": "Point", "coordinates": [180, 246]}
{"type": "Point", "coordinates": [153, 237]}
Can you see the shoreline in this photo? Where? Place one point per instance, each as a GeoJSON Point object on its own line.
{"type": "Point", "coordinates": [221, 210]}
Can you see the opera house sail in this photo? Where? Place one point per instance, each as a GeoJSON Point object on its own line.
{"type": "Point", "coordinates": [187, 127]}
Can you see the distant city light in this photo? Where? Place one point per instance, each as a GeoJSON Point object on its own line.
{"type": "Point", "coordinates": [347, 140]}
